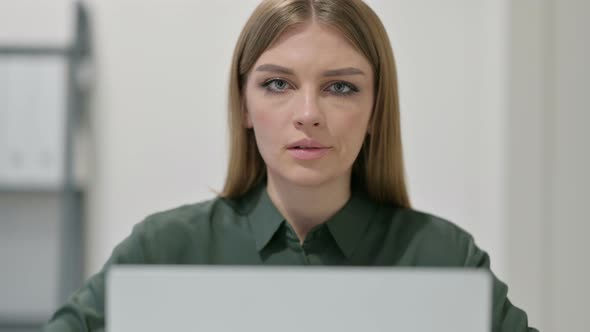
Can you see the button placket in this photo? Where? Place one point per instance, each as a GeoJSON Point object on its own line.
{"type": "Point", "coordinates": [311, 241]}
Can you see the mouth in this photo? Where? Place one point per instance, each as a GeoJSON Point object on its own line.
{"type": "Point", "coordinates": [306, 144]}
{"type": "Point", "coordinates": [307, 148]}
{"type": "Point", "coordinates": [308, 153]}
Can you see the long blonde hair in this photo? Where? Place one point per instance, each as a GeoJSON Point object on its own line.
{"type": "Point", "coordinates": [379, 168]}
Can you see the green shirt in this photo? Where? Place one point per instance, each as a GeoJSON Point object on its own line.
{"type": "Point", "coordinates": [251, 231]}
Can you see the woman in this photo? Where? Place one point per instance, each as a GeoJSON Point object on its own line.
{"type": "Point", "coordinates": [315, 174]}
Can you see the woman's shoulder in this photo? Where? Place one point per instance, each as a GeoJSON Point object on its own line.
{"type": "Point", "coordinates": [431, 239]}
{"type": "Point", "coordinates": [182, 222]}
{"type": "Point", "coordinates": [420, 222]}
{"type": "Point", "coordinates": [189, 216]}
{"type": "Point", "coordinates": [164, 236]}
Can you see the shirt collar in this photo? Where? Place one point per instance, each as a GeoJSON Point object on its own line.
{"type": "Point", "coordinates": [264, 218]}
{"type": "Point", "coordinates": [347, 226]}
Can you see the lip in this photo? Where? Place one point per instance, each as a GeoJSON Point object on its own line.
{"type": "Point", "coordinates": [307, 143]}
{"type": "Point", "coordinates": [308, 149]}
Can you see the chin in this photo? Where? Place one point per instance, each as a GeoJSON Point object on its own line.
{"type": "Point", "coordinates": [308, 181]}
{"type": "Point", "coordinates": [308, 177]}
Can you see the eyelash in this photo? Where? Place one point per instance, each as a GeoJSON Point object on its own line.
{"type": "Point", "coordinates": [352, 88]}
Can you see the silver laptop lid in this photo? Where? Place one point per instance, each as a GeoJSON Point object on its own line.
{"type": "Point", "coordinates": [295, 299]}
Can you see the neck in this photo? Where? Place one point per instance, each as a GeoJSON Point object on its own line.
{"type": "Point", "coordinates": [305, 207]}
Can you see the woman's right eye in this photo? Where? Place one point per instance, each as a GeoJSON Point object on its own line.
{"type": "Point", "coordinates": [276, 85]}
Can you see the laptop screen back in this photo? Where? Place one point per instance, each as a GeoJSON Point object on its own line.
{"type": "Point", "coordinates": [296, 299]}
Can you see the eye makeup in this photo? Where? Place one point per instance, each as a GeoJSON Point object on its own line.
{"type": "Point", "coordinates": [278, 86]}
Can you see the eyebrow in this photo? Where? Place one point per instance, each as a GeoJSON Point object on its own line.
{"type": "Point", "coordinates": [333, 72]}
{"type": "Point", "coordinates": [344, 71]}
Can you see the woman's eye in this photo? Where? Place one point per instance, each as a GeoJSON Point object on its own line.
{"type": "Point", "coordinates": [342, 88]}
{"type": "Point", "coordinates": [276, 85]}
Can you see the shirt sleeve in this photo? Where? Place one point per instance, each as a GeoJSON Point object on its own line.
{"type": "Point", "coordinates": [505, 316]}
{"type": "Point", "coordinates": [84, 310]}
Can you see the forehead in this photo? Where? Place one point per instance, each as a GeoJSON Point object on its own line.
{"type": "Point", "coordinates": [313, 46]}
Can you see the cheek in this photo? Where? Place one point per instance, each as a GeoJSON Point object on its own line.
{"type": "Point", "coordinates": [355, 129]}
{"type": "Point", "coordinates": [352, 115]}
{"type": "Point", "coordinates": [262, 119]}
{"type": "Point", "coordinates": [351, 131]}
{"type": "Point", "coordinates": [262, 111]}
{"type": "Point", "coordinates": [267, 128]}
{"type": "Point", "coordinates": [269, 118]}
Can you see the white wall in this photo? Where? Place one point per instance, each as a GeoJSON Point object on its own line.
{"type": "Point", "coordinates": [568, 165]}
{"type": "Point", "coordinates": [548, 162]}
{"type": "Point", "coordinates": [525, 154]}
{"type": "Point", "coordinates": [492, 97]}
{"type": "Point", "coordinates": [53, 23]}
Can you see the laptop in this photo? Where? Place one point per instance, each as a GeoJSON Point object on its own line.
{"type": "Point", "coordinates": [295, 299]}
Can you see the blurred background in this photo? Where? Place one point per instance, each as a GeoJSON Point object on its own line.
{"type": "Point", "coordinates": [113, 110]}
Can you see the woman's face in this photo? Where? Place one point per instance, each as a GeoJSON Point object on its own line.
{"type": "Point", "coordinates": [309, 100]}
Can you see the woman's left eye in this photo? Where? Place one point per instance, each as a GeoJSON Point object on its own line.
{"type": "Point", "coordinates": [342, 88]}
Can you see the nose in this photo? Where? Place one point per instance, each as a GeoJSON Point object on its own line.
{"type": "Point", "coordinates": [307, 111]}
